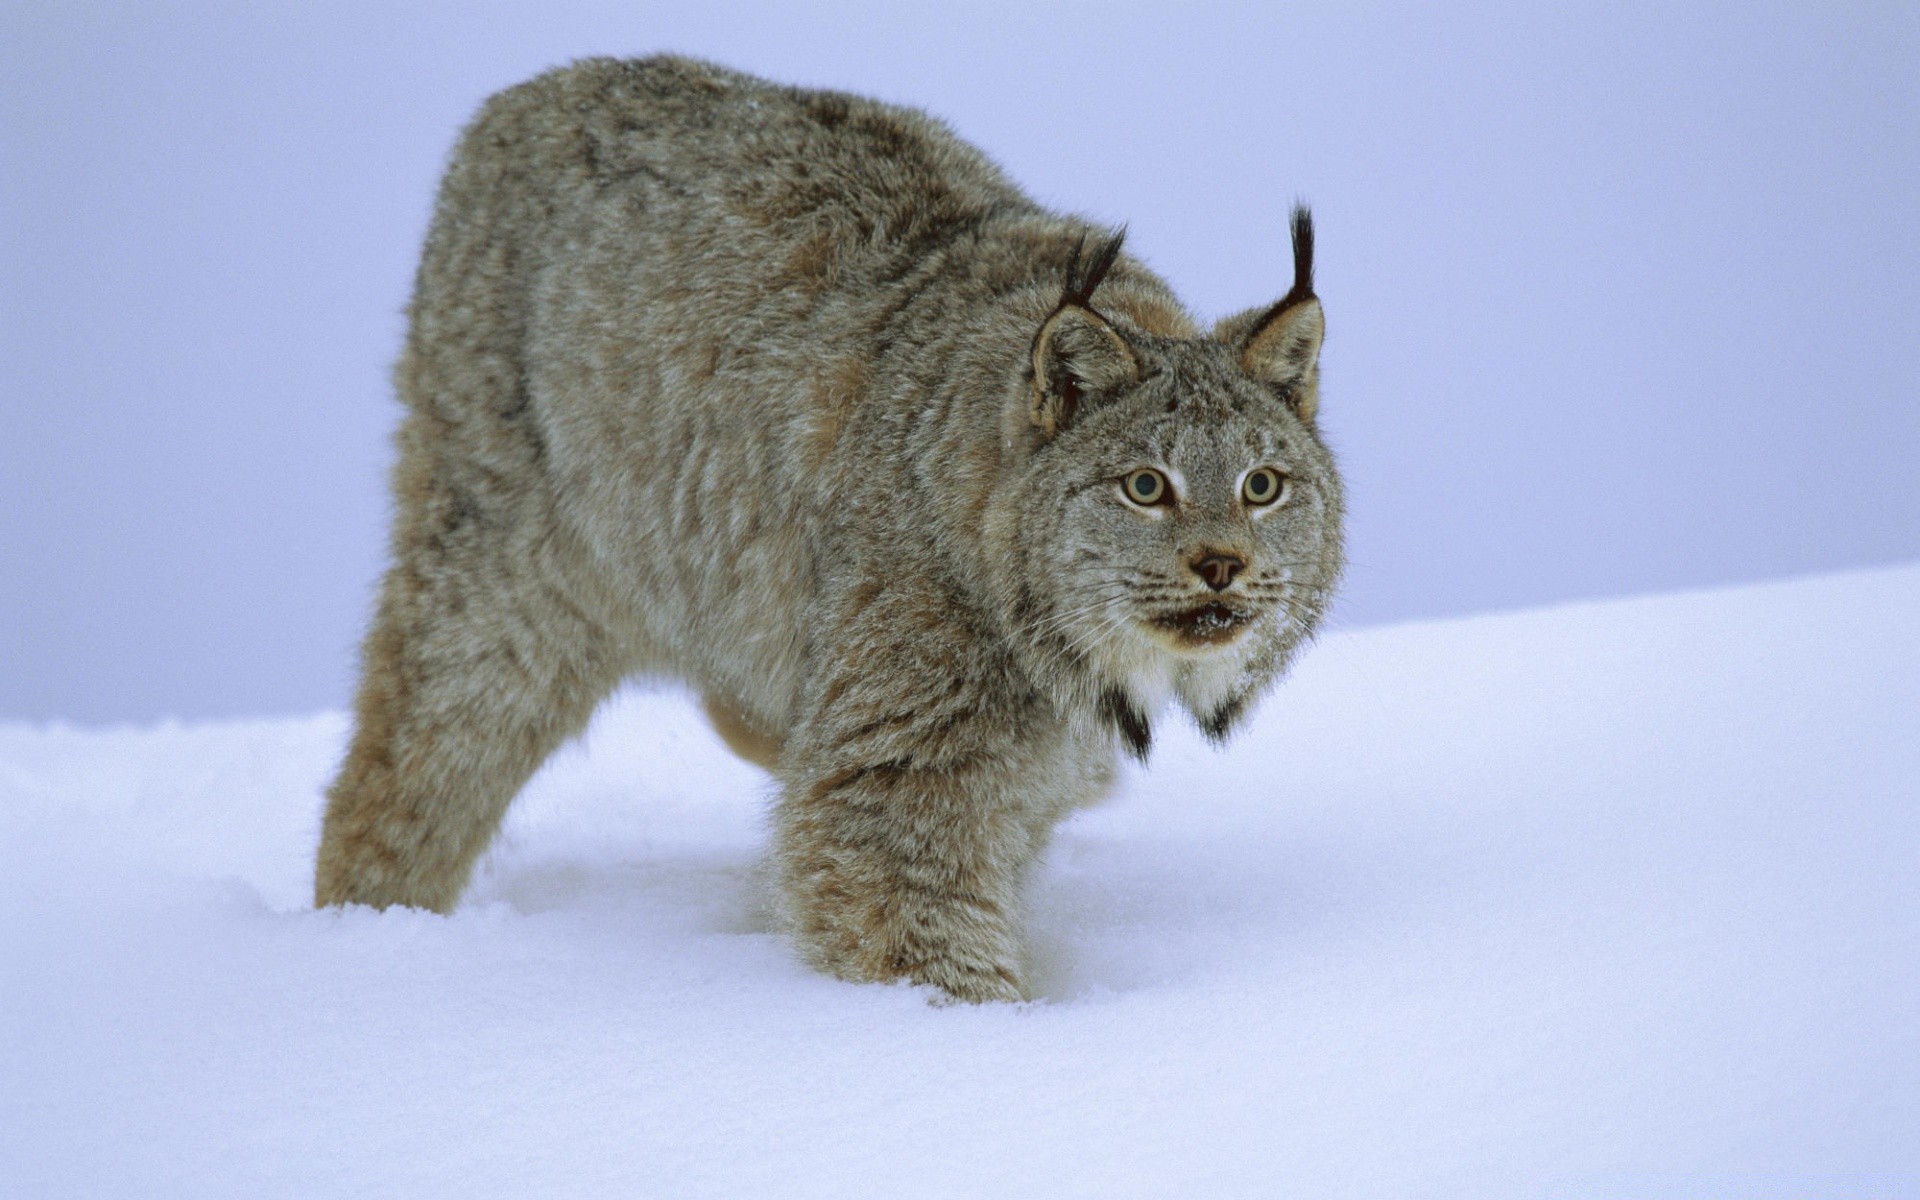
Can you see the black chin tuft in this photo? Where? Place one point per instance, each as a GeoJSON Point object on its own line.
{"type": "Point", "coordinates": [1218, 725]}
{"type": "Point", "coordinates": [1136, 736]}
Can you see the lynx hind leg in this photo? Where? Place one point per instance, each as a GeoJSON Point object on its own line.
{"type": "Point", "coordinates": [490, 645]}
{"type": "Point", "coordinates": [909, 819]}
{"type": "Point", "coordinates": [479, 664]}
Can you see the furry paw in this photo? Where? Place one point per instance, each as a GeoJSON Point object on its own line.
{"type": "Point", "coordinates": [974, 987]}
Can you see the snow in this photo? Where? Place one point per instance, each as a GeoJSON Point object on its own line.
{"type": "Point", "coordinates": [1605, 900]}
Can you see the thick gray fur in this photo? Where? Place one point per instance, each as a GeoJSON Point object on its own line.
{"type": "Point", "coordinates": [784, 393]}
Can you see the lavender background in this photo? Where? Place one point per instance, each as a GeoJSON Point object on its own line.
{"type": "Point", "coordinates": [1620, 298]}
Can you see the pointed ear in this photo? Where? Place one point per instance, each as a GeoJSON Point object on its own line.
{"type": "Point", "coordinates": [1280, 347]}
{"type": "Point", "coordinates": [1076, 357]}
{"type": "Point", "coordinates": [1078, 354]}
{"type": "Point", "coordinates": [1285, 351]}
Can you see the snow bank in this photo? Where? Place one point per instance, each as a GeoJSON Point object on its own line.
{"type": "Point", "coordinates": [1609, 900]}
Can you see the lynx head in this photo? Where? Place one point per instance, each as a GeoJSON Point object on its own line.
{"type": "Point", "coordinates": [1179, 518]}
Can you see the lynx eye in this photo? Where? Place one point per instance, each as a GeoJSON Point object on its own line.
{"type": "Point", "coordinates": [1263, 486]}
{"type": "Point", "coordinates": [1146, 487]}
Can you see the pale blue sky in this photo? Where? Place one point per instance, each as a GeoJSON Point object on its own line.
{"type": "Point", "coordinates": [1619, 300]}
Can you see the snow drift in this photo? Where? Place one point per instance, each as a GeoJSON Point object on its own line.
{"type": "Point", "coordinates": [1607, 900]}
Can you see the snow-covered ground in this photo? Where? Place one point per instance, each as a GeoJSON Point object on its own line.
{"type": "Point", "coordinates": [1611, 900]}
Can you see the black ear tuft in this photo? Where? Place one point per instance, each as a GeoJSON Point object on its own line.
{"type": "Point", "coordinates": [1302, 289]}
{"type": "Point", "coordinates": [1302, 225]}
{"type": "Point", "coordinates": [1086, 271]}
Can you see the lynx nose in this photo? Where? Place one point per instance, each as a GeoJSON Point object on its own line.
{"type": "Point", "coordinates": [1218, 569]}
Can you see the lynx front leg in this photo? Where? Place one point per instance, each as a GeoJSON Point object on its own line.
{"type": "Point", "coordinates": [917, 796]}
{"type": "Point", "coordinates": [896, 873]}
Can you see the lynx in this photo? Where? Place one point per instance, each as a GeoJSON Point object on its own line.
{"type": "Point", "coordinates": [935, 497]}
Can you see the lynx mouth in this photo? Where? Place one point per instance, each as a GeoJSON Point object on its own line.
{"type": "Point", "coordinates": [1212, 624]}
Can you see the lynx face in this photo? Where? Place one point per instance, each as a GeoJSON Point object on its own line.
{"type": "Point", "coordinates": [1215, 524]}
{"type": "Point", "coordinates": [1181, 521]}
{"type": "Point", "coordinates": [1190, 535]}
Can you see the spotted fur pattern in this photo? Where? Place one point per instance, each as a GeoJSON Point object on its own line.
{"type": "Point", "coordinates": [793, 396]}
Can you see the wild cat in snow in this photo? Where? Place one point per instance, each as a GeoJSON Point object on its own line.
{"type": "Point", "coordinates": [935, 496]}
